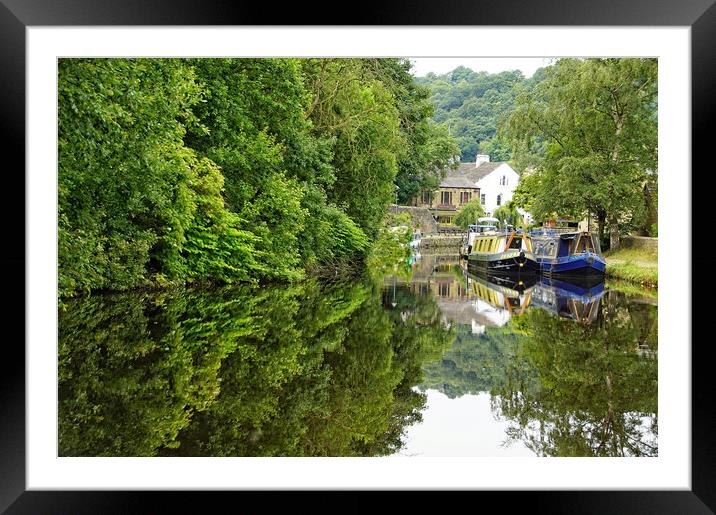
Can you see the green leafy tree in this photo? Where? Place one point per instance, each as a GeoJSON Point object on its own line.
{"type": "Point", "coordinates": [469, 213]}
{"type": "Point", "coordinates": [125, 195]}
{"type": "Point", "coordinates": [471, 104]}
{"type": "Point", "coordinates": [429, 148]}
{"type": "Point", "coordinates": [358, 111]}
{"type": "Point", "coordinates": [596, 122]}
{"type": "Point", "coordinates": [233, 170]}
{"type": "Point", "coordinates": [508, 214]}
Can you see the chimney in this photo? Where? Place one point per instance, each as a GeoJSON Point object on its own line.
{"type": "Point", "coordinates": [481, 158]}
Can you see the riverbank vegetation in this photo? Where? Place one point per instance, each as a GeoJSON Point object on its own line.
{"type": "Point", "coordinates": [175, 171]}
{"type": "Point", "coordinates": [630, 289]}
{"type": "Point", "coordinates": [636, 265]}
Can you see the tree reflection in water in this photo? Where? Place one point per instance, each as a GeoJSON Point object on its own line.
{"type": "Point", "coordinates": [301, 370]}
{"type": "Point", "coordinates": [572, 368]}
{"type": "Point", "coordinates": [341, 369]}
{"type": "Point", "coordinates": [584, 389]}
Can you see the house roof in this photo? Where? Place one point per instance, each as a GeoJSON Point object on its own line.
{"type": "Point", "coordinates": [468, 172]}
{"type": "Point", "coordinates": [456, 181]}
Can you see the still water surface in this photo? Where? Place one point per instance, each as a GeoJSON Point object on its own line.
{"type": "Point", "coordinates": [432, 362]}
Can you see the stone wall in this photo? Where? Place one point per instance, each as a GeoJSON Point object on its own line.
{"type": "Point", "coordinates": [640, 242]}
{"type": "Point", "coordinates": [421, 217]}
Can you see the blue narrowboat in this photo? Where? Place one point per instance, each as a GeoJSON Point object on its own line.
{"type": "Point", "coordinates": [568, 254]}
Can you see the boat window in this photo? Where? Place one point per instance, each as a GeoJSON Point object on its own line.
{"type": "Point", "coordinates": [546, 249]}
{"type": "Point", "coordinates": [584, 244]}
{"type": "Point", "coordinates": [516, 243]}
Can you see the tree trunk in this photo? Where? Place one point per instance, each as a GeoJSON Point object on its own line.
{"type": "Point", "coordinates": [601, 222]}
{"type": "Point", "coordinates": [613, 232]}
{"type": "Point", "coordinates": [651, 215]}
{"type": "Point", "coordinates": [613, 215]}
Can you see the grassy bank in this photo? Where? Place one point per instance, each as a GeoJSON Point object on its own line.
{"type": "Point", "coordinates": [638, 266]}
{"type": "Point", "coordinates": [633, 290]}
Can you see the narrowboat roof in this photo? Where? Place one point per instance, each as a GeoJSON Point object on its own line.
{"type": "Point", "coordinates": [562, 235]}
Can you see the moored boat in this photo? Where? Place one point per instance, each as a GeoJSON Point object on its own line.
{"type": "Point", "coordinates": [568, 254]}
{"type": "Point", "coordinates": [500, 252]}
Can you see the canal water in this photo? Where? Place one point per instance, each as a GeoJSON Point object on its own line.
{"type": "Point", "coordinates": [428, 361]}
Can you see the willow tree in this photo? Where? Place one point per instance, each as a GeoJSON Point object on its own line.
{"type": "Point", "coordinates": [469, 213]}
{"type": "Point", "coordinates": [595, 121]}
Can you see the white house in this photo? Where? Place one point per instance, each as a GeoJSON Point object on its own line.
{"type": "Point", "coordinates": [495, 180]}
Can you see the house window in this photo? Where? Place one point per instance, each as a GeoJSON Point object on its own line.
{"type": "Point", "coordinates": [499, 200]}
{"type": "Point", "coordinates": [426, 197]}
{"type": "Point", "coordinates": [482, 199]}
{"type": "Point", "coordinates": [446, 197]}
{"type": "Point", "coordinates": [464, 197]}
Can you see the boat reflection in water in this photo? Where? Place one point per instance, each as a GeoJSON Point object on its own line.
{"type": "Point", "coordinates": [569, 299]}
{"type": "Point", "coordinates": [498, 298]}
{"type": "Point", "coordinates": [501, 297]}
{"type": "Point", "coordinates": [481, 300]}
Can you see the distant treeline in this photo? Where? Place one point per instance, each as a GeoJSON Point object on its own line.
{"type": "Point", "coordinates": [471, 104]}
{"type": "Point", "coordinates": [188, 170]}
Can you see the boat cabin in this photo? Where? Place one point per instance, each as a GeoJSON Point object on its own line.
{"type": "Point", "coordinates": [565, 244]}
{"type": "Point", "coordinates": [492, 243]}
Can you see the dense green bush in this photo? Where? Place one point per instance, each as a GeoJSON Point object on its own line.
{"type": "Point", "coordinates": [124, 172]}
{"type": "Point", "coordinates": [177, 170]}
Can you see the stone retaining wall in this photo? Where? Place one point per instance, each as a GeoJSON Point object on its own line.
{"type": "Point", "coordinates": [421, 217]}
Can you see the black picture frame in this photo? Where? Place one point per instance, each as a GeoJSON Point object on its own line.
{"type": "Point", "coordinates": [16, 15]}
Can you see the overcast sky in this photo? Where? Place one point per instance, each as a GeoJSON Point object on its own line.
{"type": "Point", "coordinates": [439, 65]}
